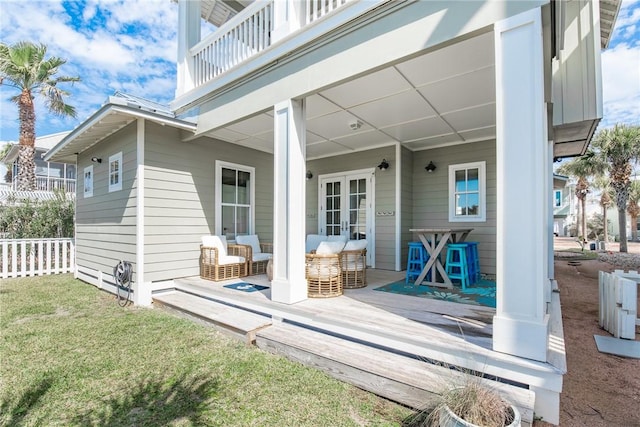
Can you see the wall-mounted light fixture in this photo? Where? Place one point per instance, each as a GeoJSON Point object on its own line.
{"type": "Point", "coordinates": [430, 167]}
{"type": "Point", "coordinates": [309, 175]}
{"type": "Point", "coordinates": [384, 165]}
{"type": "Point", "coordinates": [96, 160]}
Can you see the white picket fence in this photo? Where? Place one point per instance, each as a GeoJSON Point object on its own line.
{"type": "Point", "coordinates": [36, 257]}
{"type": "Point", "coordinates": [619, 302]}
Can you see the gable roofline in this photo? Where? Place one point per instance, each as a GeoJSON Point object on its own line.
{"type": "Point", "coordinates": [119, 111]}
{"type": "Point", "coordinates": [42, 144]}
{"type": "Point", "coordinates": [609, 10]}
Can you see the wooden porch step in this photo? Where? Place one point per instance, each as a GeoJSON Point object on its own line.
{"type": "Point", "coordinates": [409, 381]}
{"type": "Point", "coordinates": [237, 322]}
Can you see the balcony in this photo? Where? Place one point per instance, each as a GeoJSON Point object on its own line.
{"type": "Point", "coordinates": [43, 183]}
{"type": "Point", "coordinates": [249, 35]}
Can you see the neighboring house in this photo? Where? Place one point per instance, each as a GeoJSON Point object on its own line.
{"type": "Point", "coordinates": [50, 176]}
{"type": "Point", "coordinates": [562, 205]}
{"type": "Point", "coordinates": [489, 91]}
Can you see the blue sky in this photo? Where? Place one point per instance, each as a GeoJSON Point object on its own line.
{"type": "Point", "coordinates": [130, 46]}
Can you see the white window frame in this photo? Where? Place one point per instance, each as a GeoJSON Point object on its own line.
{"type": "Point", "coordinates": [118, 185]}
{"type": "Point", "coordinates": [482, 192]}
{"type": "Point", "coordinates": [218, 197]}
{"type": "Point", "coordinates": [557, 201]}
{"type": "Point", "coordinates": [87, 193]}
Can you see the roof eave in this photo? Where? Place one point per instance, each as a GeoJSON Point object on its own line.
{"type": "Point", "coordinates": [610, 8]}
{"type": "Point", "coordinates": [105, 110]}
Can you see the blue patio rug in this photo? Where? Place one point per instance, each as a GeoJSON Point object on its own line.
{"type": "Point", "coordinates": [246, 287]}
{"type": "Point", "coordinates": [482, 293]}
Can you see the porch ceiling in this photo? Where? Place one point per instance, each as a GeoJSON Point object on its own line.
{"type": "Point", "coordinates": [444, 97]}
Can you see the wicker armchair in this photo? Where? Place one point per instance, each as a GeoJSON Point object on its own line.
{"type": "Point", "coordinates": [323, 271]}
{"type": "Point", "coordinates": [353, 262]}
{"type": "Point", "coordinates": [258, 253]}
{"type": "Point", "coordinates": [221, 261]}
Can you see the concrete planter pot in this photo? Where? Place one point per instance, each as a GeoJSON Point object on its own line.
{"type": "Point", "coordinates": [449, 419]}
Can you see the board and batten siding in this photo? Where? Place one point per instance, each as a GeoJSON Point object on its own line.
{"type": "Point", "coordinates": [180, 198]}
{"type": "Point", "coordinates": [431, 194]}
{"type": "Point", "coordinates": [106, 222]}
{"type": "Point", "coordinates": [384, 195]}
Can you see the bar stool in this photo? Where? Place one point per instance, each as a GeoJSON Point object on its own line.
{"type": "Point", "coordinates": [456, 265]}
{"type": "Point", "coordinates": [474, 262]}
{"type": "Point", "coordinates": [416, 260]}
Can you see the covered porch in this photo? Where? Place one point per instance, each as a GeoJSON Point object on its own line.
{"type": "Point", "coordinates": [412, 332]}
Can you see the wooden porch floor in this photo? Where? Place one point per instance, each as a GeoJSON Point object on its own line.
{"type": "Point", "coordinates": [363, 308]}
{"type": "Point", "coordinates": [450, 334]}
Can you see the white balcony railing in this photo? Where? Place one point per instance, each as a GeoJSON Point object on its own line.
{"type": "Point", "coordinates": [44, 183]}
{"type": "Point", "coordinates": [247, 34]}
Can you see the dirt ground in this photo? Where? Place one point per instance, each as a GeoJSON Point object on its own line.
{"type": "Point", "coordinates": [599, 389]}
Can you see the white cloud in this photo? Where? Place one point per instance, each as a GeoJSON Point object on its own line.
{"type": "Point", "coordinates": [621, 69]}
{"type": "Point", "coordinates": [127, 45]}
{"type": "Point", "coordinates": [130, 45]}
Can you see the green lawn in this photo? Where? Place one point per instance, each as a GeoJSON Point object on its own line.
{"type": "Point", "coordinates": [70, 356]}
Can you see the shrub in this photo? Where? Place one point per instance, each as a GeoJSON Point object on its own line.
{"type": "Point", "coordinates": [27, 219]}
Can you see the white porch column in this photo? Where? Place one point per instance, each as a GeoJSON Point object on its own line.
{"type": "Point", "coordinates": [289, 285]}
{"type": "Point", "coordinates": [520, 323]}
{"type": "Point", "coordinates": [141, 289]}
{"type": "Point", "coordinates": [188, 36]}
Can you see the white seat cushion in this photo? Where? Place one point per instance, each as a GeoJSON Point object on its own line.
{"type": "Point", "coordinates": [313, 240]}
{"type": "Point", "coordinates": [355, 245]}
{"type": "Point", "coordinates": [262, 256]}
{"type": "Point", "coordinates": [354, 265]}
{"type": "Point", "coordinates": [230, 259]}
{"type": "Point", "coordinates": [218, 242]}
{"type": "Point", "coordinates": [338, 238]}
{"type": "Point", "coordinates": [323, 269]}
{"type": "Point", "coordinates": [251, 240]}
{"type": "Point", "coordinates": [329, 248]}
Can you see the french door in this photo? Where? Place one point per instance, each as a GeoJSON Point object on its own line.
{"type": "Point", "coordinates": [346, 207]}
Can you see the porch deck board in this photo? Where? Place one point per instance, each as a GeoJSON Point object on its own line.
{"type": "Point", "coordinates": [228, 319]}
{"type": "Point", "coordinates": [410, 381]}
{"type": "Point", "coordinates": [385, 325]}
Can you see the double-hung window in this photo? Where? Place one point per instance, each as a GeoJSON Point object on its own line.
{"type": "Point", "coordinates": [467, 192]}
{"type": "Point", "coordinates": [234, 199]}
{"type": "Point", "coordinates": [115, 172]}
{"type": "Point", "coordinates": [88, 181]}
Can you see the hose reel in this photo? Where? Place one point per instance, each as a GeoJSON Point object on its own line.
{"type": "Point", "coordinates": [123, 273]}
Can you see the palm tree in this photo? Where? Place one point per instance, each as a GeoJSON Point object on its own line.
{"type": "Point", "coordinates": [582, 168]}
{"type": "Point", "coordinates": [606, 200]}
{"type": "Point", "coordinates": [633, 209]}
{"type": "Point", "coordinates": [620, 147]}
{"type": "Point", "coordinates": [24, 67]}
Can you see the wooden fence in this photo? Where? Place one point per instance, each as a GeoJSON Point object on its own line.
{"type": "Point", "coordinates": [36, 257]}
{"type": "Point", "coordinates": [619, 303]}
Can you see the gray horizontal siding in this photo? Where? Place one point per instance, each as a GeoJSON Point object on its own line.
{"type": "Point", "coordinates": [384, 196]}
{"type": "Point", "coordinates": [431, 194]}
{"type": "Point", "coordinates": [106, 222]}
{"type": "Point", "coordinates": [180, 198]}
